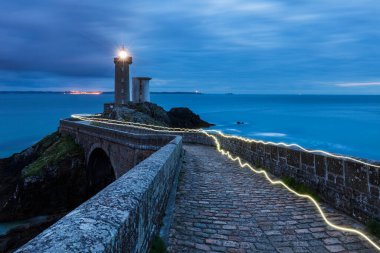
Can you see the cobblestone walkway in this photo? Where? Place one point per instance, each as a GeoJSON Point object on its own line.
{"type": "Point", "coordinates": [223, 208]}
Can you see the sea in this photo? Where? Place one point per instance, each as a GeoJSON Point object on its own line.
{"type": "Point", "coordinates": [341, 124]}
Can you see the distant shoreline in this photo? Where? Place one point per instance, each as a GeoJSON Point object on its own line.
{"type": "Point", "coordinates": [191, 93]}
{"type": "Point", "coordinates": [102, 92]}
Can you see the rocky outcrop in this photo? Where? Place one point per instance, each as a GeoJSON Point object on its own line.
{"type": "Point", "coordinates": [184, 118]}
{"type": "Point", "coordinates": [24, 233]}
{"type": "Point", "coordinates": [153, 114]}
{"type": "Point", "coordinates": [47, 179]}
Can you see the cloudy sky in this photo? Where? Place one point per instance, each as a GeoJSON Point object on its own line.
{"type": "Point", "coordinates": [240, 46]}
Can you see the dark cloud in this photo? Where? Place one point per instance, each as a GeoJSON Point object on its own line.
{"type": "Point", "coordinates": [218, 46]}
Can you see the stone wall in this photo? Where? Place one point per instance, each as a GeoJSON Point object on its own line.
{"type": "Point", "coordinates": [124, 216]}
{"type": "Point", "coordinates": [124, 149]}
{"type": "Point", "coordinates": [349, 186]}
{"type": "Point", "coordinates": [188, 137]}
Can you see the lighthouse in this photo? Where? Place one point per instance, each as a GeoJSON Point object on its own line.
{"type": "Point", "coordinates": [122, 90]}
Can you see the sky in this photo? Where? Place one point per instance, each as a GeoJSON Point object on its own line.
{"type": "Point", "coordinates": [213, 46]}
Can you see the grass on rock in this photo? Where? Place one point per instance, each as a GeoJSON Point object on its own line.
{"type": "Point", "coordinates": [300, 188]}
{"type": "Point", "coordinates": [158, 245]}
{"type": "Point", "coordinates": [374, 227]}
{"type": "Point", "coordinates": [62, 147]}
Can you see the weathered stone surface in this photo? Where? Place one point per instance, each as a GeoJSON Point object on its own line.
{"type": "Point", "coordinates": [293, 158]}
{"type": "Point", "coordinates": [334, 166]}
{"type": "Point", "coordinates": [307, 159]}
{"type": "Point", "coordinates": [374, 176]}
{"type": "Point", "coordinates": [124, 149]}
{"type": "Point", "coordinates": [320, 165]}
{"type": "Point", "coordinates": [356, 176]}
{"type": "Point", "coordinates": [234, 210]}
{"type": "Point", "coordinates": [325, 177]}
{"type": "Point", "coordinates": [221, 207]}
{"type": "Point", "coordinates": [123, 217]}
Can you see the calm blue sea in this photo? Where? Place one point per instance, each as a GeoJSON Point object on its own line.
{"type": "Point", "coordinates": [347, 125]}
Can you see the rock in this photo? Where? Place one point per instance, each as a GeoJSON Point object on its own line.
{"type": "Point", "coordinates": [182, 117]}
{"type": "Point", "coordinates": [47, 178]}
{"type": "Point", "coordinates": [153, 114]}
{"type": "Point", "coordinates": [22, 234]}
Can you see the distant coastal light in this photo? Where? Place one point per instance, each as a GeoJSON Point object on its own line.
{"type": "Point", "coordinates": [77, 92]}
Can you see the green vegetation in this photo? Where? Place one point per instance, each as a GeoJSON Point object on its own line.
{"type": "Point", "coordinates": [300, 188]}
{"type": "Point", "coordinates": [158, 245]}
{"type": "Point", "coordinates": [54, 148]}
{"type": "Point", "coordinates": [373, 227]}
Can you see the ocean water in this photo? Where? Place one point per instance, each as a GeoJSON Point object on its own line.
{"type": "Point", "coordinates": [348, 125]}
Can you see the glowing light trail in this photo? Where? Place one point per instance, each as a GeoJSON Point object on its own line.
{"type": "Point", "coordinates": [278, 182]}
{"type": "Point", "coordinates": [176, 130]}
{"type": "Point", "coordinates": [241, 164]}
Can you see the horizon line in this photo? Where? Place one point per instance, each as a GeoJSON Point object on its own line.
{"type": "Point", "coordinates": [198, 92]}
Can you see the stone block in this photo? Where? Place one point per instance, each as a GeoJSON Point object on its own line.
{"type": "Point", "coordinates": [331, 178]}
{"type": "Point", "coordinates": [334, 165]}
{"type": "Point", "coordinates": [307, 159]}
{"type": "Point", "coordinates": [260, 148]}
{"type": "Point", "coordinates": [282, 152]}
{"type": "Point", "coordinates": [274, 153]}
{"type": "Point", "coordinates": [374, 176]}
{"type": "Point", "coordinates": [253, 146]}
{"type": "Point", "coordinates": [320, 165]}
{"type": "Point", "coordinates": [293, 158]}
{"type": "Point", "coordinates": [356, 176]}
{"type": "Point", "coordinates": [339, 180]}
{"type": "Point", "coordinates": [374, 191]}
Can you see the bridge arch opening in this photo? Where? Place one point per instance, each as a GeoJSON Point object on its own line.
{"type": "Point", "coordinates": [100, 172]}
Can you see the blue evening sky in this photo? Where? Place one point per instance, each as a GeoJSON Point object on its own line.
{"type": "Point", "coordinates": [216, 46]}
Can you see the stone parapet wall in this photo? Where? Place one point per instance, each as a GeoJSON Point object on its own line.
{"type": "Point", "coordinates": [124, 216]}
{"type": "Point", "coordinates": [349, 186]}
{"type": "Point", "coordinates": [125, 149]}
{"type": "Point", "coordinates": [147, 140]}
{"type": "Point", "coordinates": [188, 137]}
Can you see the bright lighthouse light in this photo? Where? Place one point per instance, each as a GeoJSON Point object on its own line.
{"type": "Point", "coordinates": [123, 54]}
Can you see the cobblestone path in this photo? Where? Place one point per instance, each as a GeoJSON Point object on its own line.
{"type": "Point", "coordinates": [221, 207]}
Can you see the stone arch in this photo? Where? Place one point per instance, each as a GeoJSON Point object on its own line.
{"type": "Point", "coordinates": [100, 171]}
{"type": "Point", "coordinates": [105, 148]}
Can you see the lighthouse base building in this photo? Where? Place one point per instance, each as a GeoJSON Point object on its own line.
{"type": "Point", "coordinates": [140, 89]}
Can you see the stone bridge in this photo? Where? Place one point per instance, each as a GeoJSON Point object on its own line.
{"type": "Point", "coordinates": [219, 207]}
{"type": "Point", "coordinates": [113, 150]}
